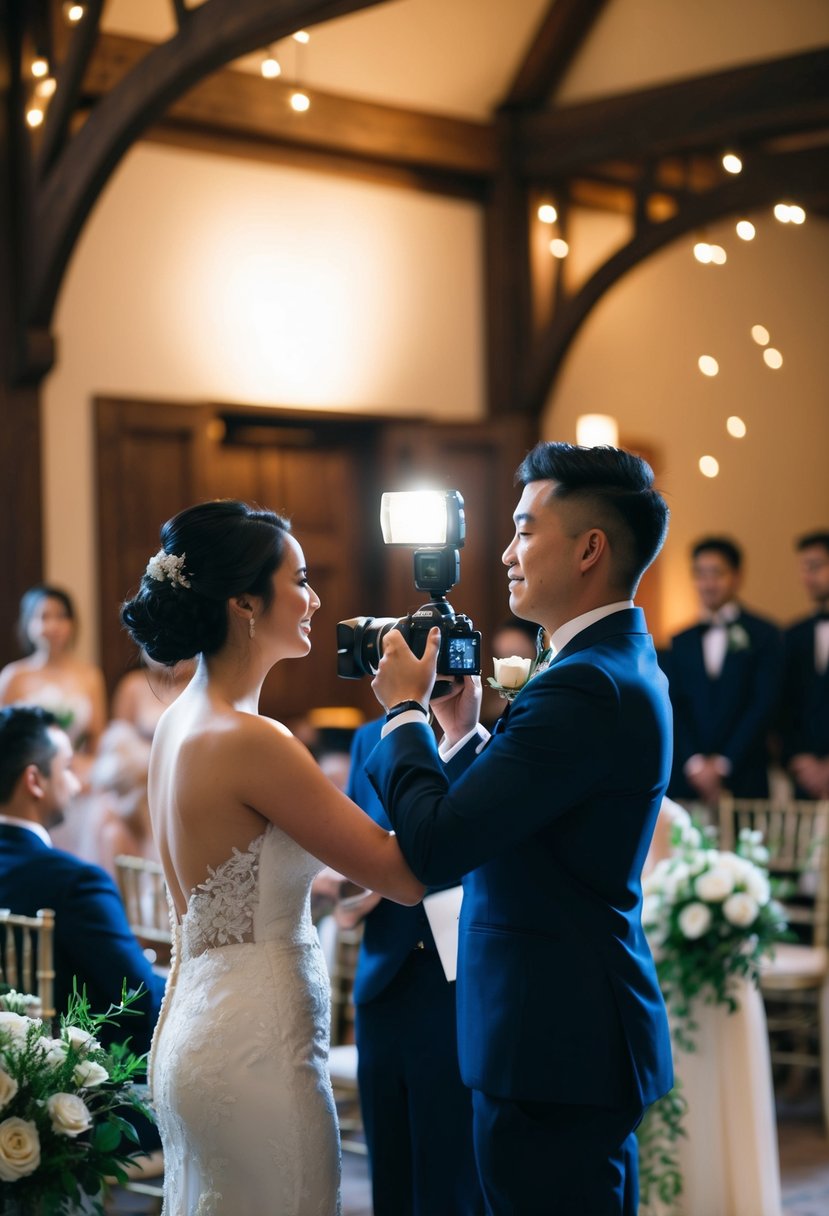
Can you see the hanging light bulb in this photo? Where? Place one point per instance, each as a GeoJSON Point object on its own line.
{"type": "Point", "coordinates": [547, 213]}
{"type": "Point", "coordinates": [40, 67]}
{"type": "Point", "coordinates": [46, 87]}
{"type": "Point", "coordinates": [34, 116]}
{"type": "Point", "coordinates": [301, 36]}
{"type": "Point", "coordinates": [73, 13]}
{"type": "Point", "coordinates": [270, 67]}
{"type": "Point", "coordinates": [782, 212]}
{"type": "Point", "coordinates": [300, 102]}
{"type": "Point", "coordinates": [718, 255]}
{"type": "Point", "coordinates": [732, 163]}
{"type": "Point", "coordinates": [796, 214]}
{"type": "Point", "coordinates": [736, 427]}
{"type": "Point", "coordinates": [746, 230]}
{"type": "Point", "coordinates": [702, 252]}
{"type": "Point", "coordinates": [559, 248]}
{"type": "Point", "coordinates": [708, 365]}
{"type": "Point", "coordinates": [709, 466]}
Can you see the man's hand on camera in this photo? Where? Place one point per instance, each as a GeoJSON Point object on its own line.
{"type": "Point", "coordinates": [403, 677]}
{"type": "Point", "coordinates": [457, 713]}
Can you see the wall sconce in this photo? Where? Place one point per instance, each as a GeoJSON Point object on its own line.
{"type": "Point", "coordinates": [597, 430]}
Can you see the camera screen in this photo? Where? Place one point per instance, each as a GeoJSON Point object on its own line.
{"type": "Point", "coordinates": [463, 655]}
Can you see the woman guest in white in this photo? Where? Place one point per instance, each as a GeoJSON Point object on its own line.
{"type": "Point", "coordinates": [244, 819]}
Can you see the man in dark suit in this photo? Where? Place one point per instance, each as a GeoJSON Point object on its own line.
{"type": "Point", "coordinates": [93, 941]}
{"type": "Point", "coordinates": [562, 1031]}
{"type": "Point", "coordinates": [417, 1112]}
{"type": "Point", "coordinates": [805, 700]}
{"type": "Point", "coordinates": [724, 676]}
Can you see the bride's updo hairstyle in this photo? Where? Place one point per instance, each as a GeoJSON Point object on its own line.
{"type": "Point", "coordinates": [209, 554]}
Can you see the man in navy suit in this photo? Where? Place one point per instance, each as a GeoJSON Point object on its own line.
{"type": "Point", "coordinates": [805, 700]}
{"type": "Point", "coordinates": [93, 941]}
{"type": "Point", "coordinates": [724, 676]}
{"type": "Point", "coordinates": [562, 1031]}
{"type": "Point", "coordinates": [417, 1112]}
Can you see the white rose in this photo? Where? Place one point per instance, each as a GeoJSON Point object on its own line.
{"type": "Point", "coordinates": [16, 1026]}
{"type": "Point", "coordinates": [8, 1088]}
{"type": "Point", "coordinates": [19, 1149]}
{"type": "Point", "coordinates": [676, 814]}
{"type": "Point", "coordinates": [512, 672]}
{"type": "Point", "coordinates": [88, 1073]}
{"type": "Point", "coordinates": [651, 911]}
{"type": "Point", "coordinates": [81, 1040]}
{"type": "Point", "coordinates": [694, 920]}
{"type": "Point", "coordinates": [757, 886]}
{"type": "Point", "coordinates": [54, 1050]}
{"type": "Point", "coordinates": [740, 909]}
{"type": "Point", "coordinates": [715, 885]}
{"type": "Point", "coordinates": [69, 1114]}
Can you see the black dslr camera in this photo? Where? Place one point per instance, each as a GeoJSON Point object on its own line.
{"type": "Point", "coordinates": [432, 523]}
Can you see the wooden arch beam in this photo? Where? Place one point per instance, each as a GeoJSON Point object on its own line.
{"type": "Point", "coordinates": [212, 35]}
{"type": "Point", "coordinates": [804, 175]}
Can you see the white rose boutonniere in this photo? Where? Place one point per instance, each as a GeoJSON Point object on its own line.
{"type": "Point", "coordinates": [514, 673]}
{"type": "Point", "coordinates": [738, 638]}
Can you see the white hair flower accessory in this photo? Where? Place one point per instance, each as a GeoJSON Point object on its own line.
{"type": "Point", "coordinates": [167, 566]}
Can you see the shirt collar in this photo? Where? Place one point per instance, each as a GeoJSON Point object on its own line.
{"type": "Point", "coordinates": [29, 825]}
{"type": "Point", "coordinates": [566, 632]}
{"type": "Point", "coordinates": [726, 615]}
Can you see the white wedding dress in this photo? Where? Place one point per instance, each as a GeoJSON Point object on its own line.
{"type": "Point", "coordinates": [239, 1064]}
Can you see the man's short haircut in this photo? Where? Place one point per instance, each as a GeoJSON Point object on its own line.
{"type": "Point", "coordinates": [616, 489]}
{"type": "Point", "coordinates": [811, 539]}
{"type": "Point", "coordinates": [724, 546]}
{"type": "Point", "coordinates": [24, 740]}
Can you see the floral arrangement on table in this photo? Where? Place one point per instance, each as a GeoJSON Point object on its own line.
{"type": "Point", "coordinates": [514, 673]}
{"type": "Point", "coordinates": [710, 916]}
{"type": "Point", "coordinates": [61, 1133]}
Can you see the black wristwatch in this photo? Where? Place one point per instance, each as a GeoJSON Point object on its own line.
{"type": "Point", "coordinates": [402, 707]}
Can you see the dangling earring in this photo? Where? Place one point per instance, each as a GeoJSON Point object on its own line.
{"type": "Point", "coordinates": [252, 628]}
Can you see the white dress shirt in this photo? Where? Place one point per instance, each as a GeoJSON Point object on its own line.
{"type": "Point", "coordinates": [821, 646]}
{"type": "Point", "coordinates": [715, 638]}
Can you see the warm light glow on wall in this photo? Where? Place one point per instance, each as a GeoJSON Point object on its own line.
{"type": "Point", "coordinates": [300, 102]}
{"type": "Point", "coordinates": [772, 358]}
{"type": "Point", "coordinates": [732, 163]}
{"type": "Point", "coordinates": [559, 248]}
{"type": "Point", "coordinates": [746, 230]}
{"type": "Point", "coordinates": [547, 213]}
{"type": "Point", "coordinates": [597, 430]}
{"type": "Point", "coordinates": [708, 365]}
{"type": "Point", "coordinates": [709, 466]}
{"type": "Point", "coordinates": [760, 335]}
{"type": "Point", "coordinates": [736, 427]}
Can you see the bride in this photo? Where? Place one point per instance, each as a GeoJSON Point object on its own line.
{"type": "Point", "coordinates": [243, 820]}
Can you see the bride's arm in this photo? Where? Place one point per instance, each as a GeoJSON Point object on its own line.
{"type": "Point", "coordinates": [277, 776]}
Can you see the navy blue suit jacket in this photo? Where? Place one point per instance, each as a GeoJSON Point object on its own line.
{"type": "Point", "coordinates": [391, 931]}
{"type": "Point", "coordinates": [805, 700]}
{"type": "Point", "coordinates": [731, 715]}
{"type": "Point", "coordinates": [557, 993]}
{"type": "Point", "coordinates": [92, 938]}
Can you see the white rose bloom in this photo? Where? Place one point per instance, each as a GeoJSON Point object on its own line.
{"type": "Point", "coordinates": [16, 1026]}
{"type": "Point", "coordinates": [512, 672]}
{"type": "Point", "coordinates": [81, 1040]}
{"type": "Point", "coordinates": [676, 814]}
{"type": "Point", "coordinates": [715, 885]}
{"type": "Point", "coordinates": [694, 920]}
{"type": "Point", "coordinates": [88, 1074]}
{"type": "Point", "coordinates": [8, 1088]}
{"type": "Point", "coordinates": [19, 1149]}
{"type": "Point", "coordinates": [655, 881]}
{"type": "Point", "coordinates": [651, 911]}
{"type": "Point", "coordinates": [740, 910]}
{"type": "Point", "coordinates": [53, 1049]}
{"type": "Point", "coordinates": [69, 1114]}
{"type": "Point", "coordinates": [757, 886]}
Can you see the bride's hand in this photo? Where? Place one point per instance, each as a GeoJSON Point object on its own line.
{"type": "Point", "coordinates": [403, 677]}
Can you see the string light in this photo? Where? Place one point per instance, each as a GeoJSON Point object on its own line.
{"type": "Point", "coordinates": [34, 116]}
{"type": "Point", "coordinates": [270, 67]}
{"type": "Point", "coordinates": [301, 36]}
{"type": "Point", "coordinates": [559, 248]}
{"type": "Point", "coordinates": [708, 365]}
{"type": "Point", "coordinates": [732, 163]}
{"type": "Point", "coordinates": [46, 87]}
{"type": "Point", "coordinates": [796, 214]}
{"type": "Point", "coordinates": [547, 213]}
{"type": "Point", "coordinates": [40, 67]}
{"type": "Point", "coordinates": [736, 427]}
{"type": "Point", "coordinates": [702, 252]}
{"type": "Point", "coordinates": [709, 466]}
{"type": "Point", "coordinates": [73, 12]}
{"type": "Point", "coordinates": [718, 255]}
{"type": "Point", "coordinates": [746, 230]}
{"type": "Point", "coordinates": [760, 335]}
{"type": "Point", "coordinates": [772, 358]}
{"type": "Point", "coordinates": [300, 102]}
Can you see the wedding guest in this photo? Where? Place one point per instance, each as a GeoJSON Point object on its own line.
{"type": "Point", "coordinates": [417, 1113]}
{"type": "Point", "coordinates": [93, 942]}
{"type": "Point", "coordinates": [142, 695]}
{"type": "Point", "coordinates": [805, 700]}
{"type": "Point", "coordinates": [724, 675]}
{"type": "Point", "coordinates": [118, 782]}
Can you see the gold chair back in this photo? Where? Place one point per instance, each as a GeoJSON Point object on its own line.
{"type": "Point", "coordinates": [27, 957]}
{"type": "Point", "coordinates": [144, 893]}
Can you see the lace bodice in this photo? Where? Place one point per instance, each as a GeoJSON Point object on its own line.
{"type": "Point", "coordinates": [261, 894]}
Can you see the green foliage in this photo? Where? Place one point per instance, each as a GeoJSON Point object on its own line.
{"type": "Point", "coordinates": [660, 1178]}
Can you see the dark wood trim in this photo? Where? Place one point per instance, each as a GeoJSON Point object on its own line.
{"type": "Point", "coordinates": [562, 31]}
{"type": "Point", "coordinates": [212, 36]}
{"type": "Point", "coordinates": [803, 175]}
{"type": "Point", "coordinates": [68, 86]}
{"type": "Point", "coordinates": [241, 104]}
{"type": "Point", "coordinates": [707, 112]}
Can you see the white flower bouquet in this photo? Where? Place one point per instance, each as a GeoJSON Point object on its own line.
{"type": "Point", "coordinates": [710, 917]}
{"type": "Point", "coordinates": [62, 1130]}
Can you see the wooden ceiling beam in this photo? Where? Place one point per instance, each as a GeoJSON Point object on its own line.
{"type": "Point", "coordinates": [562, 31]}
{"type": "Point", "coordinates": [748, 103]}
{"type": "Point", "coordinates": [240, 103]}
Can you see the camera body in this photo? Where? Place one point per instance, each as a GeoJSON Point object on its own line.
{"type": "Point", "coordinates": [436, 570]}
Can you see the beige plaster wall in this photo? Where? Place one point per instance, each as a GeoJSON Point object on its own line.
{"type": "Point", "coordinates": [203, 278]}
{"type": "Point", "coordinates": [636, 358]}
